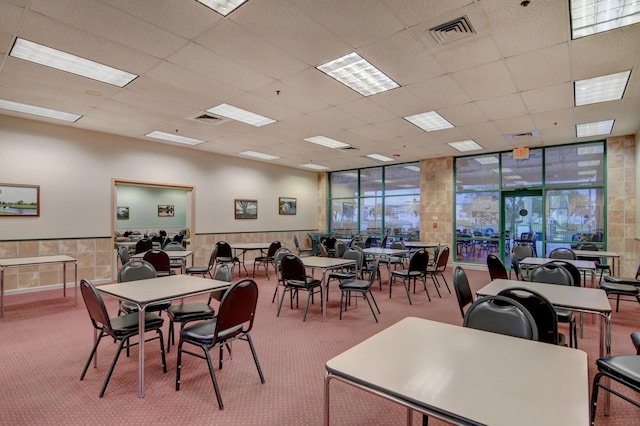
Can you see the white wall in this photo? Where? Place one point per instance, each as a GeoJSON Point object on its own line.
{"type": "Point", "coordinates": [75, 169]}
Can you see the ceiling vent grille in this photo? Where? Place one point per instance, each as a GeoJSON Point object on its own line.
{"type": "Point", "coordinates": [451, 31]}
{"type": "Point", "coordinates": [349, 148]}
{"type": "Point", "coordinates": [524, 135]}
{"type": "Point", "coordinates": [208, 118]}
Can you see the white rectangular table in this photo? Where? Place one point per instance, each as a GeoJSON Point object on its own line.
{"type": "Point", "coordinates": [245, 247]}
{"type": "Point", "coordinates": [467, 376]}
{"type": "Point", "coordinates": [614, 256]}
{"type": "Point", "coordinates": [181, 255]}
{"type": "Point", "coordinates": [145, 292]}
{"type": "Point", "coordinates": [36, 261]}
{"type": "Point", "coordinates": [325, 264]}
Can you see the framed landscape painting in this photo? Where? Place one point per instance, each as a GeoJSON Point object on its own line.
{"type": "Point", "coordinates": [287, 205]}
{"type": "Point", "coordinates": [246, 209]}
{"type": "Point", "coordinates": [19, 200]}
{"type": "Point", "coordinates": [122, 213]}
{"type": "Point", "coordinates": [165, 211]}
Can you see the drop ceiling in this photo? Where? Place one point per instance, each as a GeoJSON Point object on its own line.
{"type": "Point", "coordinates": [513, 75]}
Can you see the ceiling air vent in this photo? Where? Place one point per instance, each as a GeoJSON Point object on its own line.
{"type": "Point", "coordinates": [349, 148]}
{"type": "Point", "coordinates": [208, 118]}
{"type": "Point", "coordinates": [524, 135]}
{"type": "Point", "coordinates": [451, 31]}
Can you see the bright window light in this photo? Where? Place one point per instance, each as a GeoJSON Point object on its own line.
{"type": "Point", "coordinates": [601, 89]}
{"type": "Point", "coordinates": [379, 157]}
{"type": "Point", "coordinates": [589, 163]}
{"type": "Point", "coordinates": [174, 138]}
{"type": "Point", "coordinates": [355, 72]}
{"type": "Point", "coordinates": [259, 155]}
{"type": "Point", "coordinates": [468, 145]}
{"type": "Point", "coordinates": [57, 59]}
{"type": "Point", "coordinates": [242, 115]}
{"type": "Point", "coordinates": [512, 177]}
{"type": "Point", "coordinates": [490, 160]}
{"type": "Point", "coordinates": [223, 7]}
{"type": "Point", "coordinates": [429, 121]}
{"type": "Point", "coordinates": [504, 170]}
{"type": "Point", "coordinates": [595, 16]}
{"type": "Point", "coordinates": [35, 110]}
{"type": "Point", "coordinates": [314, 166]}
{"type": "Point", "coordinates": [592, 129]}
{"type": "Point", "coordinates": [413, 168]}
{"type": "Point", "coordinates": [587, 172]}
{"type": "Point", "coordinates": [328, 142]}
{"type": "Point", "coordinates": [590, 149]}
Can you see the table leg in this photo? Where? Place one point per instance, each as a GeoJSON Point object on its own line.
{"type": "Point", "coordinates": [64, 279]}
{"type": "Point", "coordinates": [327, 378]}
{"type": "Point", "coordinates": [75, 303]}
{"type": "Point", "coordinates": [605, 351]}
{"type": "Point", "coordinates": [324, 293]}
{"type": "Point", "coordinates": [141, 328]}
{"type": "Point", "coordinates": [2, 292]}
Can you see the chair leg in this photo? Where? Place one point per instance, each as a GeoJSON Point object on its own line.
{"type": "Point", "coordinates": [407, 287]}
{"type": "Point", "coordinates": [284, 292]}
{"type": "Point", "coordinates": [213, 378]}
{"type": "Point", "coordinates": [91, 355]}
{"type": "Point", "coordinates": [341, 302]}
{"type": "Point", "coordinates": [113, 364]}
{"type": "Point", "coordinates": [446, 283]}
{"type": "Point", "coordinates": [255, 357]}
{"type": "Point", "coordinates": [364, 295]}
{"type": "Point", "coordinates": [306, 308]}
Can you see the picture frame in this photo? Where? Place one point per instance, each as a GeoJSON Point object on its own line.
{"type": "Point", "coordinates": [19, 200]}
{"type": "Point", "coordinates": [122, 213]}
{"type": "Point", "coordinates": [166, 210]}
{"type": "Point", "coordinates": [246, 209]}
{"type": "Point", "coordinates": [287, 205]}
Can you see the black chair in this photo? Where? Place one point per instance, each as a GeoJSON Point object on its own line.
{"type": "Point", "coordinates": [266, 260]}
{"type": "Point", "coordinates": [517, 270]}
{"type": "Point", "coordinates": [224, 255]}
{"type": "Point", "coordinates": [295, 279]}
{"type": "Point", "coordinates": [462, 288]}
{"type": "Point", "coordinates": [600, 263]}
{"type": "Point", "coordinates": [499, 314]}
{"type": "Point", "coordinates": [347, 273]}
{"type": "Point", "coordinates": [174, 246]}
{"type": "Point", "coordinates": [277, 258]}
{"type": "Point", "coordinates": [622, 287]}
{"type": "Point", "coordinates": [160, 261]}
{"type": "Point", "coordinates": [522, 250]}
{"type": "Point", "coordinates": [330, 244]}
{"type": "Point", "coordinates": [121, 329]}
{"type": "Point", "coordinates": [143, 245]}
{"type": "Point", "coordinates": [623, 369]}
{"type": "Point", "coordinates": [417, 269]}
{"type": "Point", "coordinates": [437, 270]}
{"type": "Point", "coordinates": [123, 254]}
{"type": "Point", "coordinates": [302, 250]}
{"type": "Point", "coordinates": [349, 286]}
{"type": "Point", "coordinates": [189, 312]}
{"type": "Point", "coordinates": [562, 253]}
{"type": "Point", "coordinates": [555, 273]}
{"type": "Point", "coordinates": [573, 270]}
{"type": "Point", "coordinates": [205, 270]}
{"type": "Point", "coordinates": [497, 270]}
{"type": "Point", "coordinates": [134, 270]}
{"type": "Point", "coordinates": [234, 321]}
{"type": "Point", "coordinates": [542, 312]}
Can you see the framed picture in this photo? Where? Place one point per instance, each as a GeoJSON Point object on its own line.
{"type": "Point", "coordinates": [165, 210]}
{"type": "Point", "coordinates": [246, 209]}
{"type": "Point", "coordinates": [19, 200]}
{"type": "Point", "coordinates": [122, 213]}
{"type": "Point", "coordinates": [287, 205]}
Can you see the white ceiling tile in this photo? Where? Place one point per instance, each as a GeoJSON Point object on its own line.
{"type": "Point", "coordinates": [440, 92]}
{"type": "Point", "coordinates": [551, 119]}
{"type": "Point", "coordinates": [460, 115]}
{"type": "Point", "coordinates": [597, 112]}
{"type": "Point", "coordinates": [485, 81]}
{"type": "Point", "coordinates": [290, 97]}
{"type": "Point", "coordinates": [338, 118]}
{"type": "Point", "coordinates": [503, 107]}
{"type": "Point", "coordinates": [520, 124]}
{"type": "Point", "coordinates": [322, 87]}
{"type": "Point", "coordinates": [549, 98]}
{"type": "Point", "coordinates": [469, 54]}
{"type": "Point", "coordinates": [366, 110]}
{"type": "Point", "coordinates": [413, 12]}
{"type": "Point", "coordinates": [541, 68]}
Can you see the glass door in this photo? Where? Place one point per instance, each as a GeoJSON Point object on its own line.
{"type": "Point", "coordinates": [523, 221]}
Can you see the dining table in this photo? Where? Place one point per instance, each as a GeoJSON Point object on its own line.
{"type": "Point", "coordinates": [243, 248]}
{"type": "Point", "coordinates": [325, 264]}
{"type": "Point", "coordinates": [181, 255]}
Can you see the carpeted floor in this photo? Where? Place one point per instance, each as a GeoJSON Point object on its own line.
{"type": "Point", "coordinates": [46, 340]}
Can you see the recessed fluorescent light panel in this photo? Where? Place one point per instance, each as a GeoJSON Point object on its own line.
{"type": "Point", "coordinates": [590, 149]}
{"type": "Point", "coordinates": [429, 121]}
{"type": "Point", "coordinates": [355, 72]}
{"type": "Point", "coordinates": [379, 157]}
{"type": "Point", "coordinates": [486, 160]}
{"type": "Point", "coordinates": [242, 115]}
{"type": "Point", "coordinates": [35, 110]}
{"type": "Point", "coordinates": [595, 16]}
{"type": "Point", "coordinates": [174, 138]}
{"type": "Point", "coordinates": [601, 89]}
{"type": "Point", "coordinates": [328, 142]}
{"type": "Point", "coordinates": [259, 155]}
{"type": "Point", "coordinates": [589, 163]}
{"type": "Point", "coordinates": [223, 7]}
{"type": "Point", "coordinates": [595, 128]}
{"type": "Point", "coordinates": [314, 166]}
{"type": "Point", "coordinates": [468, 145]}
{"type": "Point", "coordinates": [412, 168]}
{"type": "Point", "coordinates": [57, 59]}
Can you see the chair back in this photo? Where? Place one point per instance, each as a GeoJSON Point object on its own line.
{"type": "Point", "coordinates": [419, 261]}
{"type": "Point", "coordinates": [551, 273]}
{"type": "Point", "coordinates": [359, 243]}
{"type": "Point", "coordinates": [443, 259]}
{"type": "Point", "coordinates": [178, 238]}
{"type": "Point", "coordinates": [95, 306]}
{"type": "Point", "coordinates": [436, 253]}
{"type": "Point", "coordinates": [135, 270]}
{"type": "Point", "coordinates": [522, 250]}
{"type": "Point", "coordinates": [224, 249]}
{"type": "Point", "coordinates": [341, 248]}
{"type": "Point", "coordinates": [374, 272]}
{"type": "Point", "coordinates": [123, 254]}
{"type": "Point", "coordinates": [292, 268]}
{"type": "Point", "coordinates": [159, 259]}
{"type": "Point", "coordinates": [367, 242]}
{"type": "Point", "coordinates": [330, 243]}
{"type": "Point", "coordinates": [173, 246]}
{"type": "Point", "coordinates": [462, 288]}
{"type": "Point", "coordinates": [323, 250]}
{"type": "Point", "coordinates": [590, 247]}
{"type": "Point", "coordinates": [573, 270]}
{"type": "Point", "coordinates": [515, 265]}
{"type": "Point", "coordinates": [354, 254]}
{"type": "Point", "coordinates": [507, 316]}
{"type": "Point", "coordinates": [273, 247]}
{"type": "Point", "coordinates": [383, 244]}
{"type": "Point", "coordinates": [562, 253]}
{"type": "Point", "coordinates": [237, 310]}
{"type": "Point", "coordinates": [540, 309]}
{"type": "Point", "coordinates": [143, 245]}
{"type": "Point", "coordinates": [497, 270]}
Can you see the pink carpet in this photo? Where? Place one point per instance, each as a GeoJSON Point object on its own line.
{"type": "Point", "coordinates": [46, 340]}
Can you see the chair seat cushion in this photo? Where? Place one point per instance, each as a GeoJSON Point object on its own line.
{"type": "Point", "coordinates": [624, 367]}
{"type": "Point", "coordinates": [128, 324]}
{"type": "Point", "coordinates": [190, 312]}
{"type": "Point", "coordinates": [564, 315]}
{"type": "Point", "coordinates": [130, 307]}
{"type": "Point", "coordinates": [618, 280]}
{"type": "Point", "coordinates": [622, 289]}
{"type": "Point", "coordinates": [309, 282]}
{"type": "Point", "coordinates": [342, 275]}
{"type": "Point", "coordinates": [197, 270]}
{"type": "Point", "coordinates": [203, 332]}
{"type": "Point", "coordinates": [406, 273]}
{"type": "Point", "coordinates": [355, 285]}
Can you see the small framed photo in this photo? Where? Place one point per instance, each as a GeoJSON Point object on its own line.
{"type": "Point", "coordinates": [287, 205]}
{"type": "Point", "coordinates": [122, 213]}
{"type": "Point", "coordinates": [246, 209]}
{"type": "Point", "coordinates": [165, 210]}
{"type": "Point", "coordinates": [19, 200]}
